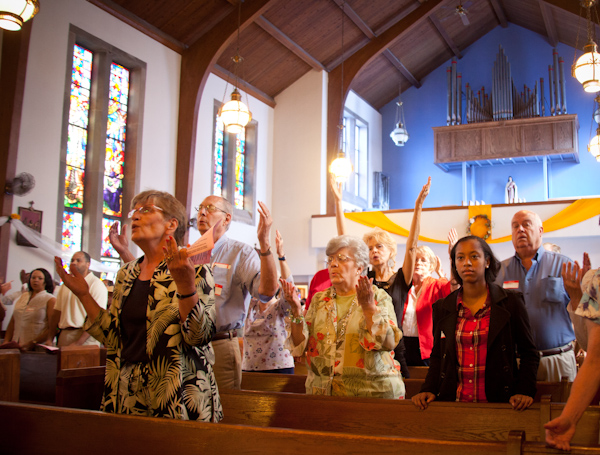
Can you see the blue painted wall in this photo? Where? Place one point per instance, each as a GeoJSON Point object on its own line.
{"type": "Point", "coordinates": [529, 55]}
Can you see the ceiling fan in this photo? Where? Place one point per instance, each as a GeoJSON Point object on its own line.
{"type": "Point", "coordinates": [460, 10]}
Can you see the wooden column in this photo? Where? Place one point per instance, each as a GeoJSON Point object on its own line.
{"type": "Point", "coordinates": [15, 46]}
{"type": "Point", "coordinates": [196, 64]}
{"type": "Point", "coordinates": [353, 65]}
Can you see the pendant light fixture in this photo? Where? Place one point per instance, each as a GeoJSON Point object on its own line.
{"type": "Point", "coordinates": [341, 167]}
{"type": "Point", "coordinates": [594, 145]}
{"type": "Point", "coordinates": [400, 134]}
{"type": "Point", "coordinates": [13, 13]}
{"type": "Point", "coordinates": [587, 68]}
{"type": "Point", "coordinates": [234, 114]}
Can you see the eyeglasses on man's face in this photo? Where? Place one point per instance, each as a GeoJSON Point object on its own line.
{"type": "Point", "coordinates": [340, 258]}
{"type": "Point", "coordinates": [209, 208]}
{"type": "Point", "coordinates": [144, 209]}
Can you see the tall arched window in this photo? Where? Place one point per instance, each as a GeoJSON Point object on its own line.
{"type": "Point", "coordinates": [234, 168]}
{"type": "Point", "coordinates": [100, 154]}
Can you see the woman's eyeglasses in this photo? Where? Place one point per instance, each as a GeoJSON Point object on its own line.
{"type": "Point", "coordinates": [341, 258]}
{"type": "Point", "coordinates": [209, 208]}
{"type": "Point", "coordinates": [143, 210]}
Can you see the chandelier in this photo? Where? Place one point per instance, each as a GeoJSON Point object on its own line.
{"type": "Point", "coordinates": [399, 135]}
{"type": "Point", "coordinates": [234, 114]}
{"type": "Point", "coordinates": [341, 167]}
{"type": "Point", "coordinates": [13, 13]}
{"type": "Point", "coordinates": [587, 68]}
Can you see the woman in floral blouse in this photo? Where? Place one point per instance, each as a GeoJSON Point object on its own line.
{"type": "Point", "coordinates": [350, 329]}
{"type": "Point", "coordinates": [158, 329]}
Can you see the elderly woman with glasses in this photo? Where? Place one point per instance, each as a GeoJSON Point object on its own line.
{"type": "Point", "coordinates": [158, 329]}
{"type": "Point", "coordinates": [350, 329]}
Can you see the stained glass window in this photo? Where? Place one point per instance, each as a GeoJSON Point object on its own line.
{"type": "Point", "coordinates": [218, 159]}
{"type": "Point", "coordinates": [77, 147]}
{"type": "Point", "coordinates": [81, 97]}
{"type": "Point", "coordinates": [72, 230]}
{"type": "Point", "coordinates": [115, 140]}
{"type": "Point", "coordinates": [240, 169]}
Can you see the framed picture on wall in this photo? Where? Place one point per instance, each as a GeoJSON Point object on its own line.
{"type": "Point", "coordinates": [31, 218]}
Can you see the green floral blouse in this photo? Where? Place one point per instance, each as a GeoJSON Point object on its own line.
{"type": "Point", "coordinates": [179, 378]}
{"type": "Point", "coordinates": [356, 364]}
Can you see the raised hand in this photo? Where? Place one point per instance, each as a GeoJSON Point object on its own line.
{"type": "Point", "coordinates": [180, 266]}
{"type": "Point", "coordinates": [587, 264]}
{"type": "Point", "coordinates": [264, 226]}
{"type": "Point", "coordinates": [572, 275]}
{"type": "Point", "coordinates": [117, 239]}
{"type": "Point", "coordinates": [365, 294]}
{"type": "Point", "coordinates": [424, 192]}
{"type": "Point", "coordinates": [75, 281]}
{"type": "Point", "coordinates": [452, 239]}
{"type": "Point", "coordinates": [279, 244]}
{"type": "Point", "coordinates": [291, 296]}
{"type": "Point", "coordinates": [5, 287]}
{"type": "Point", "coordinates": [336, 188]}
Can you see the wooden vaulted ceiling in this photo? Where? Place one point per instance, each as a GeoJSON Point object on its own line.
{"type": "Point", "coordinates": [292, 37]}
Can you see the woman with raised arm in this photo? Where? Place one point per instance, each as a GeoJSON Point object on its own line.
{"type": "Point", "coordinates": [266, 327]}
{"type": "Point", "coordinates": [29, 323]}
{"type": "Point", "coordinates": [158, 329]}
{"type": "Point", "coordinates": [479, 332]}
{"type": "Point", "coordinates": [349, 331]}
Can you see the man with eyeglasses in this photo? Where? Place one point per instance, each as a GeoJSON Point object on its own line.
{"type": "Point", "coordinates": [239, 273]}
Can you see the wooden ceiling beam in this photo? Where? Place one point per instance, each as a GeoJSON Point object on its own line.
{"type": "Point", "coordinates": [197, 61]}
{"type": "Point", "coordinates": [401, 68]}
{"type": "Point", "coordinates": [139, 24]}
{"type": "Point", "coordinates": [354, 64]}
{"type": "Point", "coordinates": [355, 18]}
{"type": "Point", "coordinates": [224, 74]}
{"type": "Point", "coordinates": [499, 13]}
{"type": "Point", "coordinates": [442, 31]}
{"type": "Point", "coordinates": [288, 43]}
{"type": "Point", "coordinates": [549, 23]}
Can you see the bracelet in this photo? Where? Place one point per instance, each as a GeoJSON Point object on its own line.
{"type": "Point", "coordinates": [266, 253]}
{"type": "Point", "coordinates": [297, 320]}
{"type": "Point", "coordinates": [181, 297]}
{"type": "Point", "coordinates": [282, 258]}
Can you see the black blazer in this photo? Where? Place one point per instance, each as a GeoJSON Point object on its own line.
{"type": "Point", "coordinates": [509, 336]}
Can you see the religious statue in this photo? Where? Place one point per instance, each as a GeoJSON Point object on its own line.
{"type": "Point", "coordinates": [511, 194]}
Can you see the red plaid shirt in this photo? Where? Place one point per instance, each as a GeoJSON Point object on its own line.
{"type": "Point", "coordinates": [471, 350]}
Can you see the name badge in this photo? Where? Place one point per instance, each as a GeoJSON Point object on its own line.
{"type": "Point", "coordinates": [511, 284]}
{"type": "Point", "coordinates": [221, 266]}
{"type": "Point", "coordinates": [218, 289]}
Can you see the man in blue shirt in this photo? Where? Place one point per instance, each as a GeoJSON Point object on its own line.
{"type": "Point", "coordinates": [537, 274]}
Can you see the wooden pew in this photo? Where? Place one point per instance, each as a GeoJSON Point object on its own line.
{"type": "Point", "coordinates": [271, 382]}
{"type": "Point", "coordinates": [80, 388]}
{"type": "Point", "coordinates": [33, 430]}
{"type": "Point", "coordinates": [418, 372]}
{"type": "Point", "coordinates": [442, 420]}
{"type": "Point", "coordinates": [10, 372]}
{"type": "Point", "coordinates": [38, 377]}
{"type": "Point", "coordinates": [80, 357]}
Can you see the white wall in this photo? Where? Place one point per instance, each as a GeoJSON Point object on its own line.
{"type": "Point", "coordinates": [202, 186]}
{"type": "Point", "coordinates": [300, 176]}
{"type": "Point", "coordinates": [41, 124]}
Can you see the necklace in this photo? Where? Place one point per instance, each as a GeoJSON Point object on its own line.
{"type": "Point", "coordinates": [340, 327]}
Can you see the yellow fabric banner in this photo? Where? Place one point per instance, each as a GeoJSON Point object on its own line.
{"type": "Point", "coordinates": [578, 211]}
{"type": "Point", "coordinates": [479, 228]}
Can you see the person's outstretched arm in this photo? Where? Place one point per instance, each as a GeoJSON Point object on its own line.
{"type": "Point", "coordinates": [410, 257]}
{"type": "Point", "coordinates": [336, 189]}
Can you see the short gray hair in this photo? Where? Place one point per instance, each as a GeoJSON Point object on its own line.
{"type": "Point", "coordinates": [357, 247]}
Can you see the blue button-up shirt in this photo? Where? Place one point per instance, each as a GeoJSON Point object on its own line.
{"type": "Point", "coordinates": [545, 296]}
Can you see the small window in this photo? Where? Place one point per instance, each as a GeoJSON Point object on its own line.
{"type": "Point", "coordinates": [355, 142]}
